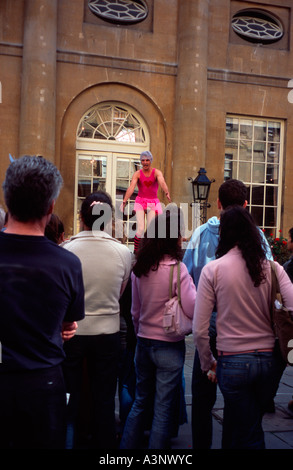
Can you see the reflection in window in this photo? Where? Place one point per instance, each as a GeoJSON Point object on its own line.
{"type": "Point", "coordinates": [252, 155]}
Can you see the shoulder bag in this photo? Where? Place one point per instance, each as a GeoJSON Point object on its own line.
{"type": "Point", "coordinates": [175, 322]}
{"type": "Point", "coordinates": [282, 319]}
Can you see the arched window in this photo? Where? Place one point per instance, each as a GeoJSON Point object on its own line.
{"type": "Point", "coordinates": [110, 121]}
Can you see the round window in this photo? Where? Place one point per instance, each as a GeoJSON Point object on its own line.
{"type": "Point", "coordinates": [257, 26]}
{"type": "Point", "coordinates": [119, 11]}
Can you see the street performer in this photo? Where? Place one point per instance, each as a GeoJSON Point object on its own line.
{"type": "Point", "coordinates": [146, 203]}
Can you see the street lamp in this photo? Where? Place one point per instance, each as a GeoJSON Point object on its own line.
{"type": "Point", "coordinates": [201, 188]}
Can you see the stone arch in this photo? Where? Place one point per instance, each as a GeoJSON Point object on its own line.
{"type": "Point", "coordinates": [114, 92]}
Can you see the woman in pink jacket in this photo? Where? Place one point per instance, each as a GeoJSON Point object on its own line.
{"type": "Point", "coordinates": [248, 369]}
{"type": "Point", "coordinates": [159, 359]}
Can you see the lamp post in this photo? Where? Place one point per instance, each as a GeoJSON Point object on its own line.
{"type": "Point", "coordinates": [201, 188]}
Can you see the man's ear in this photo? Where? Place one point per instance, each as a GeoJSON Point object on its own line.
{"type": "Point", "coordinates": [219, 204]}
{"type": "Point", "coordinates": [245, 204]}
{"type": "Point", "coordinates": [51, 208]}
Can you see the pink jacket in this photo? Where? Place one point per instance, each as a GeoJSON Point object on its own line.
{"type": "Point", "coordinates": [243, 318]}
{"type": "Point", "coordinates": [149, 294]}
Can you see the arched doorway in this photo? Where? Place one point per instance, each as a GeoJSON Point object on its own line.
{"type": "Point", "coordinates": [110, 137]}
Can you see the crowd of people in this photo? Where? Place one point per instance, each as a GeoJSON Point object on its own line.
{"type": "Point", "coordinates": [80, 316]}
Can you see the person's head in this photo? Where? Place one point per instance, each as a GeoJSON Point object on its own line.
{"type": "Point", "coordinates": [238, 229]}
{"type": "Point", "coordinates": [162, 237]}
{"type": "Point", "coordinates": [55, 229]}
{"type": "Point", "coordinates": [31, 186]}
{"type": "Point", "coordinates": [96, 210]}
{"type": "Point", "coordinates": [232, 192]}
{"type": "Point", "coordinates": [146, 155]}
{"type": "Point", "coordinates": [146, 159]}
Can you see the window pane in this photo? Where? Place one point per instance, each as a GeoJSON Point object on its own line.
{"type": "Point", "coordinates": [245, 172]}
{"type": "Point", "coordinates": [260, 130]}
{"type": "Point", "coordinates": [258, 173]}
{"type": "Point", "coordinates": [232, 127]}
{"type": "Point", "coordinates": [99, 184]}
{"type": "Point", "coordinates": [274, 131]}
{"type": "Point", "coordinates": [259, 151]}
{"type": "Point", "coordinates": [272, 174]}
{"type": "Point", "coordinates": [121, 187]}
{"type": "Point", "coordinates": [84, 187]}
{"type": "Point", "coordinates": [273, 153]}
{"type": "Point", "coordinates": [257, 214]}
{"type": "Point", "coordinates": [85, 167]}
{"type": "Point", "coordinates": [270, 216]}
{"type": "Point", "coordinates": [100, 167]}
{"type": "Point", "coordinates": [271, 196]}
{"type": "Point", "coordinates": [245, 129]}
{"type": "Point", "coordinates": [123, 169]}
{"type": "Point", "coordinates": [245, 152]}
{"type": "Point", "coordinates": [257, 197]}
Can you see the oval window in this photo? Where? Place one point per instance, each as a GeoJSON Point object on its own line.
{"type": "Point", "coordinates": [257, 26]}
{"type": "Point", "coordinates": [119, 11]}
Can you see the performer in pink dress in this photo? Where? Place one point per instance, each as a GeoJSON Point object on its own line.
{"type": "Point", "coordinates": [148, 180]}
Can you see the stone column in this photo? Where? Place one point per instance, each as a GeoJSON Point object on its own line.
{"type": "Point", "coordinates": [38, 87]}
{"type": "Point", "coordinates": [191, 97]}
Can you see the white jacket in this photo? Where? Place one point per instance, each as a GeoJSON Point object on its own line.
{"type": "Point", "coordinates": [106, 267]}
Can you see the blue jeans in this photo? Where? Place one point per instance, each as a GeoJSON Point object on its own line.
{"type": "Point", "coordinates": [248, 383]}
{"type": "Point", "coordinates": [159, 366]}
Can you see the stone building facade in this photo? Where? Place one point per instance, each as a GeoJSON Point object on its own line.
{"type": "Point", "coordinates": [90, 84]}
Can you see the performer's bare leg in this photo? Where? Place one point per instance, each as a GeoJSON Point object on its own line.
{"type": "Point", "coordinates": [150, 215]}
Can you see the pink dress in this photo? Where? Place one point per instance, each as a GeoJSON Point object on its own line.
{"type": "Point", "coordinates": [147, 198]}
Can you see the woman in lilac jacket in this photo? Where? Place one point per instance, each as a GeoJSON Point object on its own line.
{"type": "Point", "coordinates": [159, 359]}
{"type": "Point", "coordinates": [248, 369]}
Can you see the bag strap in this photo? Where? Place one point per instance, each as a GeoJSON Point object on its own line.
{"type": "Point", "coordinates": [275, 290]}
{"type": "Point", "coordinates": [178, 282]}
{"type": "Point", "coordinates": [275, 281]}
{"type": "Point", "coordinates": [171, 282]}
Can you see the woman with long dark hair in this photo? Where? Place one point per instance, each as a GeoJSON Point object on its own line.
{"type": "Point", "coordinates": [159, 358]}
{"type": "Point", "coordinates": [248, 369]}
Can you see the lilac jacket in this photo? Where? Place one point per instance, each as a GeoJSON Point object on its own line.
{"type": "Point", "coordinates": [243, 311]}
{"type": "Point", "coordinates": [149, 295]}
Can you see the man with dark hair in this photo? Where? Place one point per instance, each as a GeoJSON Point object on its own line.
{"type": "Point", "coordinates": [41, 298]}
{"type": "Point", "coordinates": [200, 250]}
